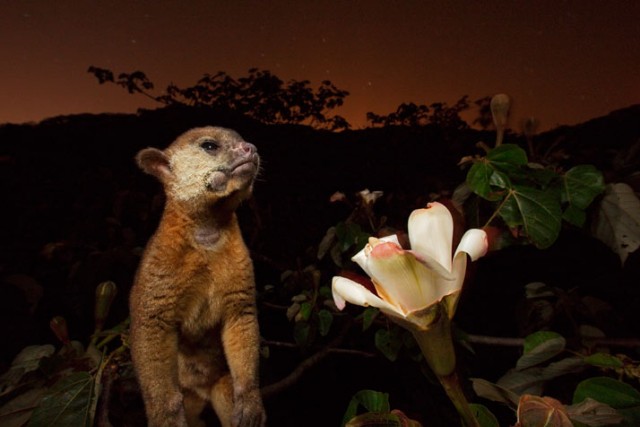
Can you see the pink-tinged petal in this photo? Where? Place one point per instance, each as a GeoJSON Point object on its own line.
{"type": "Point", "coordinates": [346, 290]}
{"type": "Point", "coordinates": [400, 279]}
{"type": "Point", "coordinates": [361, 257]}
{"type": "Point", "coordinates": [474, 242]}
{"type": "Point", "coordinates": [431, 233]}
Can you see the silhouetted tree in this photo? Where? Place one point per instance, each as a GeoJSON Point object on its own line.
{"type": "Point", "coordinates": [260, 95]}
{"type": "Point", "coordinates": [437, 114]}
{"type": "Point", "coordinates": [484, 119]}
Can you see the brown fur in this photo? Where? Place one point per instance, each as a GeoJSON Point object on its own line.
{"type": "Point", "coordinates": [194, 333]}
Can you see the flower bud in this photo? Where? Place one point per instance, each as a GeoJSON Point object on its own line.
{"type": "Point", "coordinates": [59, 327]}
{"type": "Point", "coordinates": [500, 113]}
{"type": "Point", "coordinates": [500, 110]}
{"type": "Point", "coordinates": [105, 294]}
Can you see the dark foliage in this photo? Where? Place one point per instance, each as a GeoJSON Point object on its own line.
{"type": "Point", "coordinates": [76, 212]}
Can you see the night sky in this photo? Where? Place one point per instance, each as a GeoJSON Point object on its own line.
{"type": "Point", "coordinates": [561, 61]}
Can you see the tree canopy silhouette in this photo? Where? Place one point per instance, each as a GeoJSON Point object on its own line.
{"type": "Point", "coordinates": [438, 113]}
{"type": "Point", "coordinates": [260, 95]}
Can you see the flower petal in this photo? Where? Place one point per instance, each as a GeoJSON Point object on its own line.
{"type": "Point", "coordinates": [346, 290]}
{"type": "Point", "coordinates": [400, 279]}
{"type": "Point", "coordinates": [474, 242]}
{"type": "Point", "coordinates": [431, 233]}
{"type": "Point", "coordinates": [361, 257]}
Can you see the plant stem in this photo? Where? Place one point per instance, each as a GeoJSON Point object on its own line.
{"type": "Point", "coordinates": [451, 385]}
{"type": "Point", "coordinates": [437, 347]}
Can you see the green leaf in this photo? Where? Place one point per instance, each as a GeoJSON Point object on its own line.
{"type": "Point", "coordinates": [67, 403]}
{"type": "Point", "coordinates": [388, 342]}
{"type": "Point", "coordinates": [537, 211]}
{"type": "Point", "coordinates": [495, 392]}
{"type": "Point", "coordinates": [574, 216]}
{"type": "Point", "coordinates": [618, 220]}
{"type": "Point", "coordinates": [540, 347]}
{"type": "Point", "coordinates": [301, 331]}
{"type": "Point", "coordinates": [604, 360]}
{"type": "Point", "coordinates": [507, 157]}
{"type": "Point", "coordinates": [325, 319]}
{"type": "Point", "coordinates": [327, 242]}
{"type": "Point", "coordinates": [368, 316]}
{"type": "Point", "coordinates": [305, 311]}
{"type": "Point", "coordinates": [620, 396]}
{"type": "Point", "coordinates": [17, 411]}
{"type": "Point", "coordinates": [536, 339]}
{"type": "Point", "coordinates": [581, 184]}
{"type": "Point", "coordinates": [607, 390]}
{"type": "Point", "coordinates": [593, 413]}
{"type": "Point", "coordinates": [371, 400]}
{"type": "Point", "coordinates": [325, 292]}
{"type": "Point", "coordinates": [484, 416]}
{"type": "Point", "coordinates": [542, 176]}
{"type": "Point", "coordinates": [478, 180]}
{"type": "Point", "coordinates": [500, 180]}
{"type": "Point", "coordinates": [531, 380]}
{"type": "Point", "coordinates": [349, 234]}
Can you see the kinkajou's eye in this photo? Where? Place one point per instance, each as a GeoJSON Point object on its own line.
{"type": "Point", "coordinates": [210, 145]}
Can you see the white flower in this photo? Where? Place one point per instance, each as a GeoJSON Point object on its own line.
{"type": "Point", "coordinates": [410, 282]}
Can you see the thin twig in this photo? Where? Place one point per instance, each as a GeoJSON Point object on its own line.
{"type": "Point", "coordinates": [519, 342]}
{"type": "Point", "coordinates": [331, 350]}
{"type": "Point", "coordinates": [306, 364]}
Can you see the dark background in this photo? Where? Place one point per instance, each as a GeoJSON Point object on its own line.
{"type": "Point", "coordinates": [76, 211]}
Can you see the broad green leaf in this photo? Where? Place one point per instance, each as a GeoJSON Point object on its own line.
{"type": "Point", "coordinates": [593, 413]}
{"type": "Point", "coordinates": [325, 319]}
{"type": "Point", "coordinates": [29, 359]}
{"type": "Point", "coordinates": [388, 342]}
{"type": "Point", "coordinates": [67, 403]}
{"type": "Point", "coordinates": [620, 396]}
{"type": "Point", "coordinates": [607, 390]}
{"type": "Point", "coordinates": [327, 242]}
{"type": "Point", "coordinates": [17, 411]}
{"type": "Point", "coordinates": [368, 316]}
{"type": "Point", "coordinates": [532, 380]}
{"type": "Point", "coordinates": [491, 391]}
{"type": "Point", "coordinates": [536, 339]}
{"type": "Point", "coordinates": [618, 220]}
{"type": "Point", "coordinates": [581, 184]}
{"type": "Point", "coordinates": [500, 180]}
{"type": "Point", "coordinates": [528, 381]}
{"type": "Point", "coordinates": [574, 216]}
{"type": "Point", "coordinates": [349, 234]}
{"type": "Point", "coordinates": [542, 176]}
{"type": "Point", "coordinates": [301, 332]}
{"type": "Point", "coordinates": [478, 180]}
{"type": "Point", "coordinates": [604, 360]}
{"type": "Point", "coordinates": [305, 310]}
{"type": "Point", "coordinates": [507, 157]}
{"type": "Point", "coordinates": [325, 292]}
{"type": "Point", "coordinates": [484, 416]}
{"type": "Point", "coordinates": [371, 400]}
{"type": "Point", "coordinates": [30, 356]}
{"type": "Point", "coordinates": [540, 347]}
{"type": "Point", "coordinates": [537, 211]}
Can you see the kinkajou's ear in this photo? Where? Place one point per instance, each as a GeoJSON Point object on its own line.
{"type": "Point", "coordinates": [154, 162]}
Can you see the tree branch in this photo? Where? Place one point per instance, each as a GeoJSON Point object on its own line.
{"type": "Point", "coordinates": [306, 364]}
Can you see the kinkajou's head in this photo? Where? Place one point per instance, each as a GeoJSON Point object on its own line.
{"type": "Point", "coordinates": [206, 163]}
